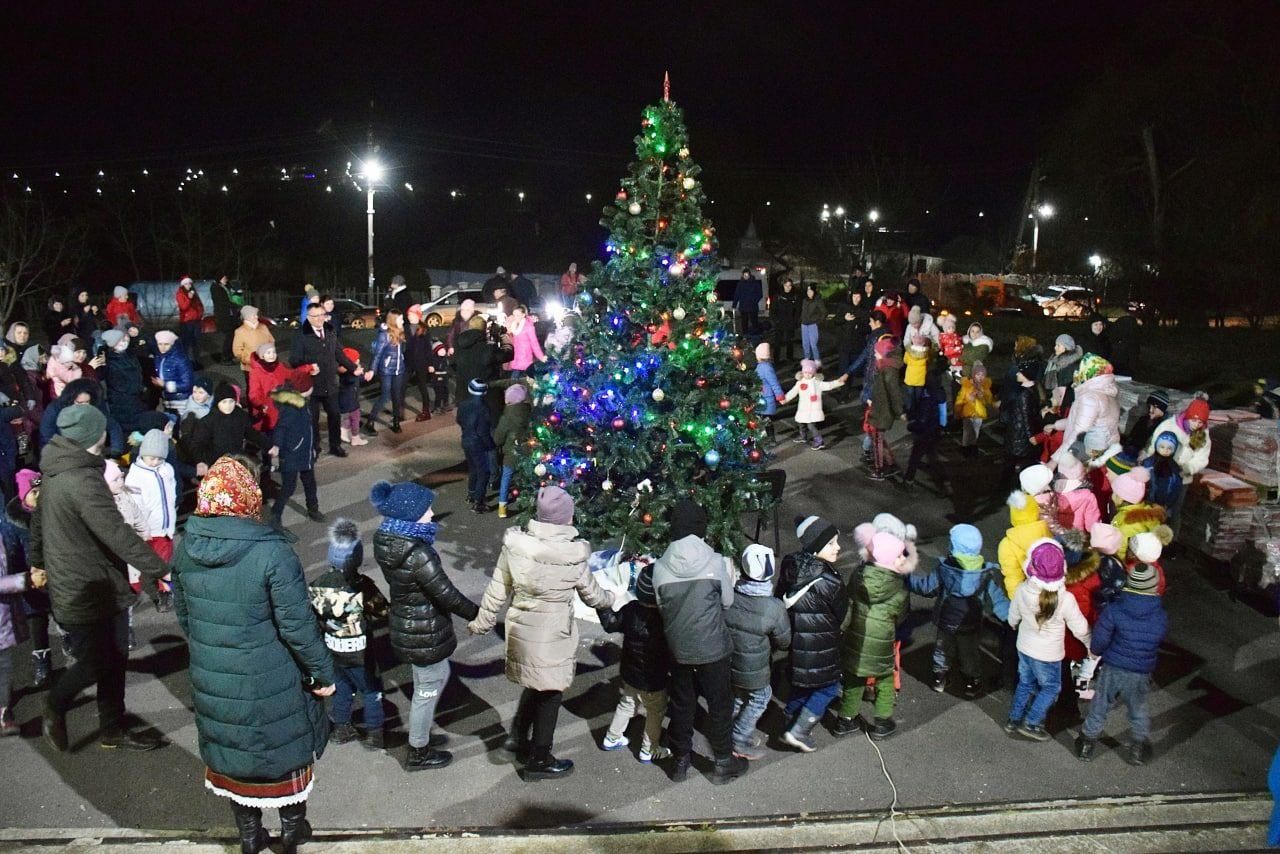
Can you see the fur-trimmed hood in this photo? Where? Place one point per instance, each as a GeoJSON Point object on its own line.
{"type": "Point", "coordinates": [1087, 566]}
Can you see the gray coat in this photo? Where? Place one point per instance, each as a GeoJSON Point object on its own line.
{"type": "Point", "coordinates": [694, 588]}
{"type": "Point", "coordinates": [757, 625]}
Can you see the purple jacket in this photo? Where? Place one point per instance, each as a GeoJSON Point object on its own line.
{"type": "Point", "coordinates": [13, 626]}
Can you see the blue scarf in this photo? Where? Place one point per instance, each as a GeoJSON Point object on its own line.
{"type": "Point", "coordinates": [424, 531]}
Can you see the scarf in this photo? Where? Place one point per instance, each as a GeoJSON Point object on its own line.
{"type": "Point", "coordinates": [969, 562]}
{"type": "Point", "coordinates": [423, 531]}
{"type": "Point", "coordinates": [748, 587]}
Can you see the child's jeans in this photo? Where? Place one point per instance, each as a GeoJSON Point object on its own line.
{"type": "Point", "coordinates": [971, 429]}
{"type": "Point", "coordinates": [1120, 686]}
{"type": "Point", "coordinates": [507, 472]}
{"type": "Point", "coordinates": [361, 680]}
{"type": "Point", "coordinates": [957, 647]}
{"type": "Point", "coordinates": [881, 453]}
{"type": "Point", "coordinates": [1039, 683]}
{"type": "Point", "coordinates": [478, 472]}
{"type": "Point", "coordinates": [392, 392]}
{"type": "Point", "coordinates": [809, 341]}
{"type": "Point", "coordinates": [652, 704]}
{"type": "Point", "coordinates": [854, 686]}
{"type": "Point", "coordinates": [289, 483]}
{"type": "Point", "coordinates": [806, 429]}
{"type": "Point", "coordinates": [813, 700]}
{"type": "Point", "coordinates": [748, 706]}
{"type": "Point", "coordinates": [351, 421]}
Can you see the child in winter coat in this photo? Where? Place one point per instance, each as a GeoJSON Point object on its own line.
{"type": "Point", "coordinates": [477, 442]}
{"type": "Point", "coordinates": [1133, 514]}
{"type": "Point", "coordinates": [350, 607]}
{"type": "Point", "coordinates": [227, 429]}
{"type": "Point", "coordinates": [1020, 414]}
{"type": "Point", "coordinates": [1135, 441]}
{"type": "Point", "coordinates": [808, 393]}
{"type": "Point", "coordinates": [266, 374]}
{"type": "Point", "coordinates": [758, 623]}
{"type": "Point", "coordinates": [1077, 506]}
{"type": "Point", "coordinates": [134, 518]}
{"type": "Point", "coordinates": [349, 399]}
{"type": "Point", "coordinates": [951, 344]}
{"type": "Point", "coordinates": [771, 393]}
{"type": "Point", "coordinates": [885, 408]}
{"type": "Point", "coordinates": [510, 436]}
{"type": "Point", "coordinates": [174, 373]}
{"type": "Point", "coordinates": [525, 348]}
{"type": "Point", "coordinates": [816, 603]}
{"type": "Point", "coordinates": [1041, 614]}
{"type": "Point", "coordinates": [1106, 540]}
{"type": "Point", "coordinates": [1190, 427]}
{"type": "Point", "coordinates": [296, 442]}
{"type": "Point", "coordinates": [974, 402]}
{"type": "Point", "coordinates": [879, 601]}
{"type": "Point", "coordinates": [13, 631]}
{"type": "Point", "coordinates": [645, 668]}
{"type": "Point", "coordinates": [918, 357]}
{"type": "Point", "coordinates": [1164, 486]}
{"type": "Point", "coordinates": [438, 369]}
{"type": "Point", "coordinates": [61, 368]}
{"type": "Point", "coordinates": [1127, 637]}
{"type": "Point", "coordinates": [962, 582]}
{"type": "Point", "coordinates": [155, 490]}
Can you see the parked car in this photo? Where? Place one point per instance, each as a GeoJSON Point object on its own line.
{"type": "Point", "coordinates": [1073, 303]}
{"type": "Point", "coordinates": [355, 315]}
{"type": "Point", "coordinates": [441, 311]}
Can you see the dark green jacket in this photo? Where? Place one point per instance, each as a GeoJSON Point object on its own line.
{"type": "Point", "coordinates": [255, 648]}
{"type": "Point", "coordinates": [79, 537]}
{"type": "Point", "coordinates": [878, 600]}
{"type": "Point", "coordinates": [513, 429]}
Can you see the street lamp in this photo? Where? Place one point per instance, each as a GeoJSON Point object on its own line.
{"type": "Point", "coordinates": [1043, 212]}
{"type": "Point", "coordinates": [1095, 261]}
{"type": "Point", "coordinates": [840, 212]}
{"type": "Point", "coordinates": [825, 216]}
{"type": "Point", "coordinates": [873, 216]}
{"type": "Point", "coordinates": [373, 172]}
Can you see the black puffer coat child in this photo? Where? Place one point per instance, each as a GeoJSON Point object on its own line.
{"type": "Point", "coordinates": [817, 603]}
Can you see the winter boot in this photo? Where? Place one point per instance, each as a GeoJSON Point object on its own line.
{"type": "Point", "coordinates": [680, 768]}
{"type": "Point", "coordinates": [8, 726]}
{"type": "Point", "coordinates": [253, 836]}
{"type": "Point", "coordinates": [345, 434]}
{"type": "Point", "coordinates": [1138, 753]}
{"type": "Point", "coordinates": [799, 736]}
{"type": "Point", "coordinates": [426, 758]}
{"type": "Point", "coordinates": [375, 740]}
{"type": "Point", "coordinates": [749, 752]}
{"type": "Point", "coordinates": [502, 509]}
{"type": "Point", "coordinates": [1085, 748]}
{"type": "Point", "coordinates": [295, 830]}
{"type": "Point", "coordinates": [882, 729]}
{"type": "Point", "coordinates": [54, 726]}
{"type": "Point", "coordinates": [343, 733]}
{"type": "Point", "coordinates": [40, 667]}
{"type": "Point", "coordinates": [164, 602]}
{"type": "Point", "coordinates": [972, 688]}
{"type": "Point", "coordinates": [939, 681]}
{"type": "Point", "coordinates": [314, 514]}
{"type": "Point", "coordinates": [727, 769]}
{"type": "Point", "coordinates": [424, 415]}
{"type": "Point", "coordinates": [395, 426]}
{"type": "Point", "coordinates": [367, 428]}
{"type": "Point", "coordinates": [543, 766]}
{"type": "Point", "coordinates": [845, 726]}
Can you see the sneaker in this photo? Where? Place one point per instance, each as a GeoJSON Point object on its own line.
{"type": "Point", "coordinates": [657, 754]}
{"type": "Point", "coordinates": [502, 510]}
{"type": "Point", "coordinates": [972, 689]}
{"type": "Point", "coordinates": [611, 743]}
{"type": "Point", "coordinates": [426, 758]}
{"type": "Point", "coordinates": [799, 440]}
{"type": "Point", "coordinates": [845, 726]}
{"type": "Point", "coordinates": [343, 733]}
{"type": "Point", "coordinates": [1011, 726]}
{"type": "Point", "coordinates": [480, 507]}
{"type": "Point", "coordinates": [395, 427]}
{"type": "Point", "coordinates": [939, 683]}
{"type": "Point", "coordinates": [314, 514]}
{"type": "Point", "coordinates": [125, 740]}
{"type": "Point", "coordinates": [878, 475]}
{"type": "Point", "coordinates": [1138, 754]}
{"type": "Point", "coordinates": [8, 726]}
{"type": "Point", "coordinates": [338, 451]}
{"type": "Point", "coordinates": [818, 446]}
{"type": "Point", "coordinates": [1035, 732]}
{"type": "Point", "coordinates": [1085, 748]}
{"type": "Point", "coordinates": [749, 752]}
{"type": "Point", "coordinates": [424, 415]}
{"type": "Point", "coordinates": [368, 429]}
{"type": "Point", "coordinates": [357, 440]}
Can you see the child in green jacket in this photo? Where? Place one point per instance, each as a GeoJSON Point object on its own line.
{"type": "Point", "coordinates": [509, 435]}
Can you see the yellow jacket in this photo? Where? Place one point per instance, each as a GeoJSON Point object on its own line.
{"type": "Point", "coordinates": [974, 402]}
{"type": "Point", "coordinates": [1132, 519]}
{"type": "Point", "coordinates": [917, 368]}
{"type": "Point", "coordinates": [1012, 552]}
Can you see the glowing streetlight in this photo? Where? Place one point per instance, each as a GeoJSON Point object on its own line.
{"type": "Point", "coordinates": [1095, 261]}
{"type": "Point", "coordinates": [588, 197]}
{"type": "Point", "coordinates": [1044, 211]}
{"type": "Point", "coordinates": [373, 172]}
{"type": "Point", "coordinates": [840, 211]}
{"type": "Point", "coordinates": [873, 215]}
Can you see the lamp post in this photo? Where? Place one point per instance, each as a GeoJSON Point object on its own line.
{"type": "Point", "coordinates": [873, 216]}
{"type": "Point", "coordinates": [1095, 261]}
{"type": "Point", "coordinates": [372, 172]}
{"type": "Point", "coordinates": [1043, 212]}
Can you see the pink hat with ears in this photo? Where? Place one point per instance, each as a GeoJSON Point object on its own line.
{"type": "Point", "coordinates": [887, 550]}
{"type": "Point", "coordinates": [1105, 538]}
{"type": "Point", "coordinates": [1070, 467]}
{"type": "Point", "coordinates": [862, 535]}
{"type": "Point", "coordinates": [26, 480]}
{"type": "Point", "coordinates": [808, 366]}
{"type": "Point", "coordinates": [1131, 487]}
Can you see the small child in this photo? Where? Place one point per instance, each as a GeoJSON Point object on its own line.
{"type": "Point", "coordinates": [477, 442]}
{"type": "Point", "coordinates": [974, 402]}
{"type": "Point", "coordinates": [808, 393]}
{"type": "Point", "coordinates": [1165, 484]}
{"type": "Point", "coordinates": [438, 370]}
{"type": "Point", "coordinates": [645, 669]}
{"type": "Point", "coordinates": [962, 581]}
{"type": "Point", "coordinates": [885, 407]}
{"type": "Point", "coordinates": [1134, 515]}
{"type": "Point", "coordinates": [1077, 506]}
{"type": "Point", "coordinates": [1041, 613]}
{"type": "Point", "coordinates": [349, 398]}
{"type": "Point", "coordinates": [175, 375]}
{"type": "Point", "coordinates": [771, 393]}
{"type": "Point", "coordinates": [951, 344]}
{"type": "Point", "coordinates": [758, 624]}
{"type": "Point", "coordinates": [1106, 540]}
{"type": "Point", "coordinates": [510, 435]}
{"type": "Point", "coordinates": [228, 429]}
{"type": "Point", "coordinates": [1127, 637]}
{"type": "Point", "coordinates": [12, 633]}
{"type": "Point", "coordinates": [816, 602]}
{"type": "Point", "coordinates": [878, 596]}
{"type": "Point", "coordinates": [134, 518]}
{"type": "Point", "coordinates": [349, 606]}
{"type": "Point", "coordinates": [917, 359]}
{"type": "Point", "coordinates": [296, 443]}
{"type": "Point", "coordinates": [152, 481]}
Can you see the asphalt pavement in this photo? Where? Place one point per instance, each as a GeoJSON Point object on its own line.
{"type": "Point", "coordinates": [1216, 718]}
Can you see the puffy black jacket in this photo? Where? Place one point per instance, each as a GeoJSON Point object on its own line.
{"type": "Point", "coordinates": [218, 434]}
{"type": "Point", "coordinates": [422, 598]}
{"type": "Point", "coordinates": [818, 604]}
{"type": "Point", "coordinates": [784, 308]}
{"type": "Point", "coordinates": [756, 624]}
{"type": "Point", "coordinates": [646, 660]}
{"type": "Point", "coordinates": [474, 359]}
{"type": "Point", "coordinates": [1020, 414]}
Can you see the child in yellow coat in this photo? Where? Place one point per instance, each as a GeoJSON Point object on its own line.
{"type": "Point", "coordinates": [974, 402]}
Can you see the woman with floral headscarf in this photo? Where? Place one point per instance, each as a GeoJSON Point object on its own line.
{"type": "Point", "coordinates": [1096, 410]}
{"type": "Point", "coordinates": [258, 662]}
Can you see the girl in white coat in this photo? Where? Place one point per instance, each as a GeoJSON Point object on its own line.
{"type": "Point", "coordinates": [807, 392]}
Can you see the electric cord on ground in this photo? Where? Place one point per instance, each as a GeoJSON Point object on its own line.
{"type": "Point", "coordinates": [893, 805]}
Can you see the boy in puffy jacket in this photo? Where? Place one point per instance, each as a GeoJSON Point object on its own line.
{"type": "Point", "coordinates": [477, 443]}
{"type": "Point", "coordinates": [807, 392]}
{"type": "Point", "coordinates": [758, 624]}
{"type": "Point", "coordinates": [962, 581]}
{"type": "Point", "coordinates": [645, 668]}
{"type": "Point", "coordinates": [296, 443]}
{"type": "Point", "coordinates": [1127, 637]}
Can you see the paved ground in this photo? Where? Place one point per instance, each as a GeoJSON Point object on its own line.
{"type": "Point", "coordinates": [1216, 716]}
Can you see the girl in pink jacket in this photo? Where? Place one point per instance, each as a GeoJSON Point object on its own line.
{"type": "Point", "coordinates": [1077, 505]}
{"type": "Point", "coordinates": [524, 343]}
{"type": "Point", "coordinates": [62, 367]}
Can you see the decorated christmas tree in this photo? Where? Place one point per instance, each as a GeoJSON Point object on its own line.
{"type": "Point", "coordinates": [652, 402]}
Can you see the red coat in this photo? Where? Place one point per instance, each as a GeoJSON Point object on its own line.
{"type": "Point", "coordinates": [1082, 580]}
{"type": "Point", "coordinates": [262, 382]}
{"type": "Point", "coordinates": [190, 308]}
{"type": "Point", "coordinates": [117, 307]}
{"type": "Point", "coordinates": [952, 346]}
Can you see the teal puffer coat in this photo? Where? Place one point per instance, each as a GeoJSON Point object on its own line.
{"type": "Point", "coordinates": [255, 646]}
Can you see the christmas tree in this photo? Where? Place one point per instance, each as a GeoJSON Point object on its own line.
{"type": "Point", "coordinates": [652, 402]}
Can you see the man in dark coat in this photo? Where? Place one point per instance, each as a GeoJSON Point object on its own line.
{"type": "Point", "coordinates": [399, 296]}
{"type": "Point", "coordinates": [475, 357]}
{"type": "Point", "coordinates": [524, 290]}
{"type": "Point", "coordinates": [80, 539]}
{"type": "Point", "coordinates": [317, 344]}
{"type": "Point", "coordinates": [498, 280]}
{"type": "Point", "coordinates": [915, 296]}
{"type": "Point", "coordinates": [226, 315]}
{"type": "Point", "coordinates": [747, 295]}
{"type": "Point", "coordinates": [1125, 346]}
{"type": "Point", "coordinates": [784, 311]}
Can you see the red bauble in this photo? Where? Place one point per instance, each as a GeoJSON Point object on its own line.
{"type": "Point", "coordinates": [736, 352]}
{"type": "Point", "coordinates": [514, 492]}
{"type": "Point", "coordinates": [724, 403]}
{"type": "Point", "coordinates": [754, 455]}
{"type": "Point", "coordinates": [617, 424]}
{"type": "Point", "coordinates": [751, 425]}
{"type": "Point", "coordinates": [647, 518]}
{"type": "Point", "coordinates": [700, 382]}
{"type": "Point", "coordinates": [622, 196]}
{"type": "Point", "coordinates": [554, 419]}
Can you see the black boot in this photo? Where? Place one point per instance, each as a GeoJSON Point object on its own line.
{"type": "Point", "coordinates": [295, 830]}
{"type": "Point", "coordinates": [845, 726]}
{"type": "Point", "coordinates": [253, 836]}
{"type": "Point", "coordinates": [727, 769]}
{"type": "Point", "coordinates": [543, 766]}
{"type": "Point", "coordinates": [680, 768]}
{"type": "Point", "coordinates": [367, 427]}
{"type": "Point", "coordinates": [395, 426]}
{"type": "Point", "coordinates": [426, 758]}
{"type": "Point", "coordinates": [1085, 748]}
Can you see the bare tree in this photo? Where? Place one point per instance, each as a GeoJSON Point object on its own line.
{"type": "Point", "coordinates": [37, 251]}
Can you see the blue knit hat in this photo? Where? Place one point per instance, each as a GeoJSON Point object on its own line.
{"type": "Point", "coordinates": [966, 540]}
{"type": "Point", "coordinates": [406, 501]}
{"type": "Point", "coordinates": [477, 388]}
{"type": "Point", "coordinates": [346, 552]}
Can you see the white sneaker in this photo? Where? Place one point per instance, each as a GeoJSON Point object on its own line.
{"type": "Point", "coordinates": [345, 435]}
{"type": "Point", "coordinates": [657, 753]}
{"type": "Point", "coordinates": [357, 439]}
{"type": "Point", "coordinates": [611, 743]}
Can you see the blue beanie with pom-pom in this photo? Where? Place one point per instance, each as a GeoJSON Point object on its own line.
{"type": "Point", "coordinates": [407, 501]}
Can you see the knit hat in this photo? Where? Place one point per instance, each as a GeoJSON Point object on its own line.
{"type": "Point", "coordinates": [264, 348]}
{"type": "Point", "coordinates": [1131, 487]}
{"type": "Point", "coordinates": [555, 506]}
{"type": "Point", "coordinates": [154, 444]}
{"type": "Point", "coordinates": [687, 517]}
{"type": "Point", "coordinates": [1035, 479]}
{"type": "Point", "coordinates": [516, 394]}
{"type": "Point", "coordinates": [1046, 563]}
{"type": "Point", "coordinates": [248, 311]}
{"type": "Point", "coordinates": [1146, 547]}
{"type": "Point", "coordinates": [1105, 538]}
{"type": "Point", "coordinates": [26, 480]}
{"type": "Point", "coordinates": [352, 354]}
{"type": "Point", "coordinates": [1169, 438]}
{"type": "Point", "coordinates": [978, 372]}
{"type": "Point", "coordinates": [862, 535]}
{"type": "Point", "coordinates": [397, 279]}
{"type": "Point", "coordinates": [1092, 365]}
{"type": "Point", "coordinates": [966, 540]}
{"type": "Point", "coordinates": [1159, 399]}
{"type": "Point", "coordinates": [763, 352]}
{"type": "Point", "coordinates": [947, 322]}
{"type": "Point", "coordinates": [120, 292]}
{"type": "Point", "coordinates": [1118, 464]}
{"type": "Point", "coordinates": [346, 552]}
{"type": "Point", "coordinates": [1022, 509]}
{"type": "Point", "coordinates": [1071, 468]}
{"type": "Point", "coordinates": [229, 489]}
{"type": "Point", "coordinates": [1074, 544]}
{"type": "Point", "coordinates": [915, 317]}
{"type": "Point", "coordinates": [467, 306]}
{"type": "Point", "coordinates": [1143, 578]}
{"type": "Point", "coordinates": [477, 388]}
{"type": "Point", "coordinates": [112, 337]}
{"type": "Point", "coordinates": [757, 562]}
{"type": "Point", "coordinates": [645, 593]}
{"type": "Point", "coordinates": [892, 524]}
{"type": "Point", "coordinates": [186, 280]}
{"type": "Point", "coordinates": [225, 391]}
{"type": "Point", "coordinates": [814, 533]}
{"type": "Point", "coordinates": [1198, 409]}
{"type": "Point", "coordinates": [406, 501]}
{"type": "Point", "coordinates": [887, 550]}
{"type": "Point", "coordinates": [164, 336]}
{"type": "Point", "coordinates": [206, 383]}
{"type": "Point", "coordinates": [82, 424]}
{"type": "Point", "coordinates": [808, 366]}
{"type": "Point", "coordinates": [1066, 342]}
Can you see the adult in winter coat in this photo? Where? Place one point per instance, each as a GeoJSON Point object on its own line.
{"type": "Point", "coordinates": [1096, 410]}
{"type": "Point", "coordinates": [190, 316]}
{"type": "Point", "coordinates": [474, 357]}
{"type": "Point", "coordinates": [57, 320]}
{"type": "Point", "coordinates": [1096, 339]}
{"type": "Point", "coordinates": [813, 311]}
{"type": "Point", "coordinates": [82, 392]}
{"type": "Point", "coordinates": [540, 569]}
{"type": "Point", "coordinates": [1124, 334]}
{"type": "Point", "coordinates": [977, 347]}
{"type": "Point", "coordinates": [125, 387]}
{"type": "Point", "coordinates": [86, 314]}
{"type": "Point", "coordinates": [225, 315]}
{"type": "Point", "coordinates": [747, 296]}
{"type": "Point", "coordinates": [1061, 370]}
{"type": "Point", "coordinates": [851, 330]}
{"type": "Point", "coordinates": [1191, 428]}
{"type": "Point", "coordinates": [784, 311]}
{"type": "Point", "coordinates": [317, 344]}
{"type": "Point", "coordinates": [258, 662]}
{"type": "Point", "coordinates": [120, 306]}
{"type": "Point", "coordinates": [422, 598]}
{"type": "Point", "coordinates": [226, 429]}
{"type": "Point", "coordinates": [80, 539]}
{"type": "Point", "coordinates": [249, 336]}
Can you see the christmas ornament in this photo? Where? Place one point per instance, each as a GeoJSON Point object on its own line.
{"type": "Point", "coordinates": [679, 313]}
{"type": "Point", "coordinates": [647, 518]}
{"type": "Point", "coordinates": [658, 395]}
{"type": "Point", "coordinates": [754, 455]}
{"type": "Point", "coordinates": [724, 403]}
{"type": "Point", "coordinates": [617, 424]}
{"type": "Point", "coordinates": [622, 196]}
{"type": "Point", "coordinates": [689, 183]}
{"type": "Point", "coordinates": [711, 296]}
{"type": "Point", "coordinates": [684, 152]}
{"type": "Point", "coordinates": [645, 485]}
{"type": "Point", "coordinates": [676, 269]}
{"type": "Point", "coordinates": [634, 208]}
{"type": "Point", "coordinates": [554, 419]}
{"type": "Point", "coordinates": [751, 425]}
{"type": "Point", "coordinates": [712, 458]}
{"type": "Point", "coordinates": [540, 470]}
{"type": "Point", "coordinates": [700, 382]}
{"type": "Point", "coordinates": [607, 485]}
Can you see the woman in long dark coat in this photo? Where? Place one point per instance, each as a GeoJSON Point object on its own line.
{"type": "Point", "coordinates": [258, 662]}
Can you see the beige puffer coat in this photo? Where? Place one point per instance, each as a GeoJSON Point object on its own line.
{"type": "Point", "coordinates": [539, 570]}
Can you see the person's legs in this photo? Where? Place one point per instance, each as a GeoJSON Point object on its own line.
{"type": "Point", "coordinates": [288, 483]}
{"type": "Point", "coordinates": [1105, 695]}
{"type": "Point", "coordinates": [1135, 691]}
{"type": "Point", "coordinates": [546, 711]}
{"type": "Point", "coordinates": [623, 713]}
{"type": "Point", "coordinates": [6, 685]}
{"type": "Point", "coordinates": [683, 704]}
{"type": "Point", "coordinates": [428, 683]}
{"type": "Point", "coordinates": [315, 405]}
{"type": "Point", "coordinates": [1018, 709]}
{"type": "Point", "coordinates": [507, 472]}
{"type": "Point", "coordinates": [655, 708]}
{"type": "Point", "coordinates": [523, 719]}
{"type": "Point", "coordinates": [817, 436]}
{"type": "Point", "coordinates": [885, 696]}
{"type": "Point", "coordinates": [852, 687]}
{"type": "Point", "coordinates": [397, 397]}
{"type": "Point", "coordinates": [344, 688]}
{"type": "Point", "coordinates": [944, 652]}
{"type": "Point", "coordinates": [820, 699]}
{"type": "Point", "coordinates": [749, 707]}
{"type": "Point", "coordinates": [384, 396]}
{"type": "Point", "coordinates": [366, 682]}
{"type": "Point", "coordinates": [969, 655]}
{"type": "Point", "coordinates": [334, 418]}
{"type": "Point", "coordinates": [309, 489]}
{"type": "Point", "coordinates": [1048, 680]}
{"type": "Point", "coordinates": [715, 685]}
